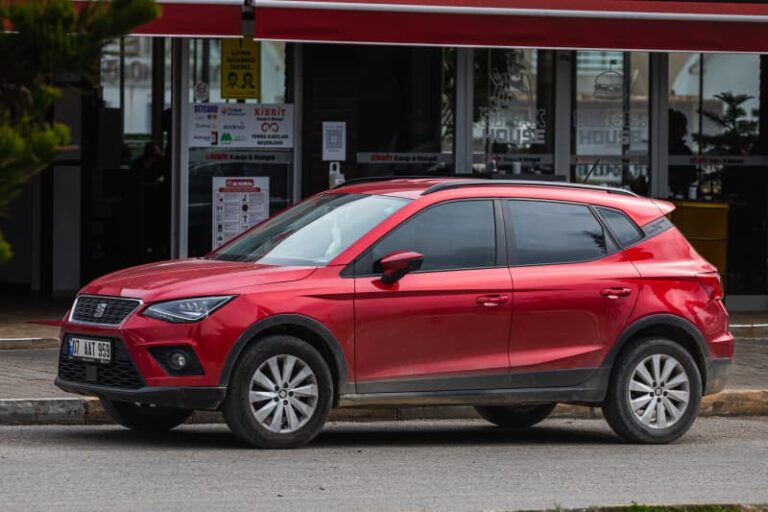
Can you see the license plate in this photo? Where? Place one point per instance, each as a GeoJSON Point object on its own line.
{"type": "Point", "coordinates": [90, 350]}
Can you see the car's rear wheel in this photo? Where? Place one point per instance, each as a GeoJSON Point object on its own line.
{"type": "Point", "coordinates": [280, 394]}
{"type": "Point", "coordinates": [655, 392]}
{"type": "Point", "coordinates": [145, 418]}
{"type": "Point", "coordinates": [516, 417]}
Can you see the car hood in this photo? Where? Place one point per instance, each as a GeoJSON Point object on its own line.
{"type": "Point", "coordinates": [190, 278]}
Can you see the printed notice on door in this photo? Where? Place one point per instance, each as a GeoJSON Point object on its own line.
{"type": "Point", "coordinates": [238, 204]}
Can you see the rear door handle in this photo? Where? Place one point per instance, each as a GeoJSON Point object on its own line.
{"type": "Point", "coordinates": [615, 293]}
{"type": "Point", "coordinates": [492, 300]}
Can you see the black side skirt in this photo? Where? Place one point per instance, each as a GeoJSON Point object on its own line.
{"type": "Point", "coordinates": [589, 391]}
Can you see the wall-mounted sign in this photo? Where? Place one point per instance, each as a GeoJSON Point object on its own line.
{"type": "Point", "coordinates": [201, 91]}
{"type": "Point", "coordinates": [334, 141]}
{"type": "Point", "coordinates": [511, 158]}
{"type": "Point", "coordinates": [405, 158]}
{"type": "Point", "coordinates": [240, 68]}
{"type": "Point", "coordinates": [238, 204]}
{"type": "Point", "coordinates": [241, 125]}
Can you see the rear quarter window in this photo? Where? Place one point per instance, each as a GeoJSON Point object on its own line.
{"type": "Point", "coordinates": [622, 227]}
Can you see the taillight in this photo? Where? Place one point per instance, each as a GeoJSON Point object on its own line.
{"type": "Point", "coordinates": [710, 281]}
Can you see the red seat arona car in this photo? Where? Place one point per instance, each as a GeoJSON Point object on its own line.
{"type": "Point", "coordinates": [508, 296]}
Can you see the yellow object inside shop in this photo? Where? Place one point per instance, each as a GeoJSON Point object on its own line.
{"type": "Point", "coordinates": [705, 225]}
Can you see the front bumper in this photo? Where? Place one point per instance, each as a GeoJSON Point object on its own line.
{"type": "Point", "coordinates": [718, 371]}
{"type": "Point", "coordinates": [204, 398]}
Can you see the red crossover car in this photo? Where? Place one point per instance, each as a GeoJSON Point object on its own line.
{"type": "Point", "coordinates": [506, 295]}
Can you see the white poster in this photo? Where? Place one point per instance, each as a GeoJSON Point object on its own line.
{"type": "Point", "coordinates": [238, 204]}
{"type": "Point", "coordinates": [334, 141]}
{"type": "Point", "coordinates": [241, 125]}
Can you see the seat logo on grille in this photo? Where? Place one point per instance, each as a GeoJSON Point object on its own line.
{"type": "Point", "coordinates": [101, 308]}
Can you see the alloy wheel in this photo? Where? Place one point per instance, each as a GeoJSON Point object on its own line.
{"type": "Point", "coordinates": [659, 391]}
{"type": "Point", "coordinates": [283, 394]}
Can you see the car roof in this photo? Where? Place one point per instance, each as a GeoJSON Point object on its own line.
{"type": "Point", "coordinates": [402, 187]}
{"type": "Point", "coordinates": [641, 209]}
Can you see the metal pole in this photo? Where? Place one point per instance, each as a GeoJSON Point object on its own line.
{"type": "Point", "coordinates": [180, 147]}
{"type": "Point", "coordinates": [298, 96]}
{"type": "Point", "coordinates": [462, 145]}
{"type": "Point", "coordinates": [158, 89]}
{"type": "Point", "coordinates": [563, 113]}
{"type": "Point", "coordinates": [659, 124]}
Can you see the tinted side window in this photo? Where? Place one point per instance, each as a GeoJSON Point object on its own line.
{"type": "Point", "coordinates": [456, 235]}
{"type": "Point", "coordinates": [625, 230]}
{"type": "Point", "coordinates": [546, 232]}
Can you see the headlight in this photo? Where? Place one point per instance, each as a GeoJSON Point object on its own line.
{"type": "Point", "coordinates": [186, 310]}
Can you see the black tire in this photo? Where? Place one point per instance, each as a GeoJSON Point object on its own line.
{"type": "Point", "coordinates": [516, 417]}
{"type": "Point", "coordinates": [240, 413]}
{"type": "Point", "coordinates": [617, 407]}
{"type": "Point", "coordinates": [145, 418]}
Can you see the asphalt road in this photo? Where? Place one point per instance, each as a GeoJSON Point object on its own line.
{"type": "Point", "coordinates": [380, 466]}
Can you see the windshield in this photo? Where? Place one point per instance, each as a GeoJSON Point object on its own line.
{"type": "Point", "coordinates": [312, 233]}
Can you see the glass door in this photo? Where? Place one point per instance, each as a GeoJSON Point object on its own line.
{"type": "Point", "coordinates": [513, 112]}
{"type": "Point", "coordinates": [611, 120]}
{"type": "Point", "coordinates": [718, 163]}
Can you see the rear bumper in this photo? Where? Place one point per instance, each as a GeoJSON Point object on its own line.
{"type": "Point", "coordinates": [206, 398]}
{"type": "Point", "coordinates": [718, 372]}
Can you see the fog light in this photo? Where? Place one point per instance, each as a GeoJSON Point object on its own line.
{"type": "Point", "coordinates": [177, 360]}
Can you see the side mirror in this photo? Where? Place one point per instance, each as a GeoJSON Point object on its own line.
{"type": "Point", "coordinates": [396, 264]}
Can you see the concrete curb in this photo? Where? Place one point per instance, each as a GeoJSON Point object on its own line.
{"type": "Point", "coordinates": [749, 330]}
{"type": "Point", "coordinates": [88, 411]}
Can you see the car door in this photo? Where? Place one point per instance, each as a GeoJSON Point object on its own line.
{"type": "Point", "coordinates": [445, 326]}
{"type": "Point", "coordinates": [573, 292]}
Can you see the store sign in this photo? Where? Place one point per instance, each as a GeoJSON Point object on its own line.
{"type": "Point", "coordinates": [240, 125]}
{"type": "Point", "coordinates": [719, 160]}
{"type": "Point", "coordinates": [601, 129]}
{"type": "Point", "coordinates": [512, 158]}
{"type": "Point", "coordinates": [240, 68]}
{"type": "Point", "coordinates": [238, 204]}
{"type": "Point", "coordinates": [405, 158]}
{"type": "Point", "coordinates": [518, 126]}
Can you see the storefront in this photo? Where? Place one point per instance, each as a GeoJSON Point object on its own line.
{"type": "Point", "coordinates": [223, 113]}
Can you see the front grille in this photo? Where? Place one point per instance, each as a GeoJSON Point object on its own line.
{"type": "Point", "coordinates": [118, 373]}
{"type": "Point", "coordinates": [103, 310]}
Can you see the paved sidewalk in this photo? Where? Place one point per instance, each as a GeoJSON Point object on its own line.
{"type": "Point", "coordinates": [30, 373]}
{"type": "Point", "coordinates": [17, 315]}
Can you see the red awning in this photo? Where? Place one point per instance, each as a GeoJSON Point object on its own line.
{"type": "Point", "coordinates": [194, 18]}
{"type": "Point", "coordinates": [567, 24]}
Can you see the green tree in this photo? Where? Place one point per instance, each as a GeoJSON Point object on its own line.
{"type": "Point", "coordinates": [40, 41]}
{"type": "Point", "coordinates": [737, 135]}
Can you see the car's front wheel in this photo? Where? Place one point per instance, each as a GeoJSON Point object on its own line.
{"type": "Point", "coordinates": [145, 418]}
{"type": "Point", "coordinates": [280, 394]}
{"type": "Point", "coordinates": [516, 417]}
{"type": "Point", "coordinates": [655, 392]}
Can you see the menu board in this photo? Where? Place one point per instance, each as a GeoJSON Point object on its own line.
{"type": "Point", "coordinates": [238, 204]}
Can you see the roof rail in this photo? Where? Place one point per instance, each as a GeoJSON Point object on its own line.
{"type": "Point", "coordinates": [526, 183]}
{"type": "Point", "coordinates": [373, 179]}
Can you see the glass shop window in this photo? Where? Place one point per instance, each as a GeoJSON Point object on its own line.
{"type": "Point", "coordinates": [611, 120]}
{"type": "Point", "coordinates": [406, 108]}
{"type": "Point", "coordinates": [513, 112]}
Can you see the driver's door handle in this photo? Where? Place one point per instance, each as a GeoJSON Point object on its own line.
{"type": "Point", "coordinates": [615, 293]}
{"type": "Point", "coordinates": [492, 301]}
